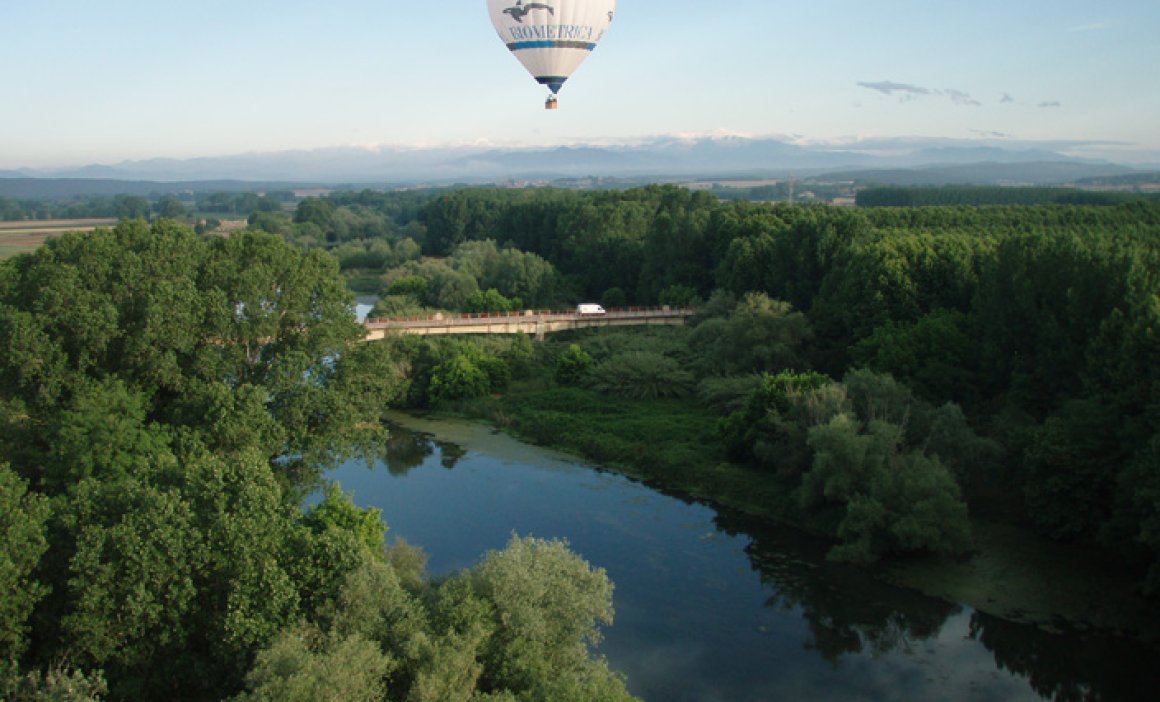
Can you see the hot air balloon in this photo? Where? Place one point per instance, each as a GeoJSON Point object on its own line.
{"type": "Point", "coordinates": [551, 37]}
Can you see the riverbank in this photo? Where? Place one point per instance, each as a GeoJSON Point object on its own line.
{"type": "Point", "coordinates": [1012, 573]}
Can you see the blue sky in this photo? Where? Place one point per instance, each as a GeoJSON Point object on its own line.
{"type": "Point", "coordinates": [92, 81]}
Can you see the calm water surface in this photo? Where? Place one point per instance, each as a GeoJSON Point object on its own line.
{"type": "Point", "coordinates": [715, 606]}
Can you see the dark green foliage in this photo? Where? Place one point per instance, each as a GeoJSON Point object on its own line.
{"type": "Point", "coordinates": [457, 378]}
{"type": "Point", "coordinates": [59, 683]}
{"type": "Point", "coordinates": [986, 195]}
{"type": "Point", "coordinates": [491, 301]}
{"type": "Point", "coordinates": [1012, 312]}
{"type": "Point", "coordinates": [1136, 519]}
{"type": "Point", "coordinates": [642, 375]}
{"type": "Point", "coordinates": [573, 365]}
{"type": "Point", "coordinates": [759, 335]}
{"type": "Point", "coordinates": [337, 511]}
{"type": "Point", "coordinates": [413, 285]}
{"type": "Point", "coordinates": [677, 437]}
{"type": "Point", "coordinates": [1069, 485]}
{"type": "Point", "coordinates": [160, 399]}
{"type": "Point", "coordinates": [23, 517]}
{"type": "Point", "coordinates": [893, 501]}
{"type": "Point", "coordinates": [770, 430]}
{"type": "Point", "coordinates": [613, 298]}
{"type": "Point", "coordinates": [1040, 305]}
{"type": "Point", "coordinates": [678, 296]}
{"type": "Point", "coordinates": [315, 211]}
{"type": "Point", "coordinates": [933, 355]}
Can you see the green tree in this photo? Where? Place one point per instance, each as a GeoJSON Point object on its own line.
{"type": "Point", "coordinates": [642, 375]}
{"type": "Point", "coordinates": [317, 211]}
{"type": "Point", "coordinates": [23, 518]}
{"type": "Point", "coordinates": [456, 379]}
{"type": "Point", "coordinates": [58, 683]}
{"type": "Point", "coordinates": [573, 365]}
{"type": "Point", "coordinates": [304, 665]}
{"type": "Point", "coordinates": [678, 296]}
{"type": "Point", "coordinates": [491, 301]}
{"type": "Point", "coordinates": [891, 500]}
{"type": "Point", "coordinates": [935, 355]}
{"type": "Point", "coordinates": [545, 607]}
{"type": "Point", "coordinates": [131, 207]}
{"type": "Point", "coordinates": [759, 335]}
{"type": "Point", "coordinates": [169, 207]}
{"type": "Point", "coordinates": [613, 298]}
{"type": "Point", "coordinates": [338, 511]}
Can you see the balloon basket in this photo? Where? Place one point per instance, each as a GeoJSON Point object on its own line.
{"type": "Point", "coordinates": [551, 104]}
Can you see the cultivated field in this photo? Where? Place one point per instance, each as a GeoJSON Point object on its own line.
{"type": "Point", "coordinates": [22, 237]}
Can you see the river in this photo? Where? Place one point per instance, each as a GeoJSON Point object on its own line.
{"type": "Point", "coordinates": [716, 606]}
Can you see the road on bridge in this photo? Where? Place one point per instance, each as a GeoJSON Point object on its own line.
{"type": "Point", "coordinates": [533, 322]}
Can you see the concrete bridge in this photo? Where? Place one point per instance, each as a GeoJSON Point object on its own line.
{"type": "Point", "coordinates": [538, 323]}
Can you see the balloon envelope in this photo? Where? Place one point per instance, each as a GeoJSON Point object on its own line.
{"type": "Point", "coordinates": [551, 37]}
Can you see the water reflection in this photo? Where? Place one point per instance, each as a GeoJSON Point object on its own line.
{"type": "Point", "coordinates": [406, 450]}
{"type": "Point", "coordinates": [713, 604]}
{"type": "Point", "coordinates": [847, 611]}
{"type": "Point", "coordinates": [450, 454]}
{"type": "Point", "coordinates": [1072, 666]}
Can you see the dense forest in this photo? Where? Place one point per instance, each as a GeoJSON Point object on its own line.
{"type": "Point", "coordinates": [167, 206]}
{"type": "Point", "coordinates": [950, 195]}
{"type": "Point", "coordinates": [166, 402]}
{"type": "Point", "coordinates": [883, 362]}
{"type": "Point", "coordinates": [874, 375]}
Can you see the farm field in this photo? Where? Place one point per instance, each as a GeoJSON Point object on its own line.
{"type": "Point", "coordinates": [24, 236]}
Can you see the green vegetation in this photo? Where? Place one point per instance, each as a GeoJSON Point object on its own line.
{"type": "Point", "coordinates": [952, 195]}
{"type": "Point", "coordinates": [166, 401]}
{"type": "Point", "coordinates": [1015, 347]}
{"type": "Point", "coordinates": [873, 375]}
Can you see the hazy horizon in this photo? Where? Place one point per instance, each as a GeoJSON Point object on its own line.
{"type": "Point", "coordinates": [127, 80]}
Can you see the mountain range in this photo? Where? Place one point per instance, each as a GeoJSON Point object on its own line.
{"type": "Point", "coordinates": [901, 161]}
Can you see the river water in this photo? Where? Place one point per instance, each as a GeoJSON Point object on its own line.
{"type": "Point", "coordinates": [716, 606]}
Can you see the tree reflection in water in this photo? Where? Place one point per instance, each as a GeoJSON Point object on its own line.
{"type": "Point", "coordinates": [1071, 666]}
{"type": "Point", "coordinates": [849, 612]}
{"type": "Point", "coordinates": [846, 609]}
{"type": "Point", "coordinates": [406, 450]}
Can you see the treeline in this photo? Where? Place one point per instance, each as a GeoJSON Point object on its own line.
{"type": "Point", "coordinates": [169, 206]}
{"type": "Point", "coordinates": [976, 195]}
{"type": "Point", "coordinates": [99, 207]}
{"type": "Point", "coordinates": [1037, 321]}
{"type": "Point", "coordinates": [166, 402]}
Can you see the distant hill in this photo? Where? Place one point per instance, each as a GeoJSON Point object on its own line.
{"type": "Point", "coordinates": [892, 161]}
{"type": "Point", "coordinates": [64, 188]}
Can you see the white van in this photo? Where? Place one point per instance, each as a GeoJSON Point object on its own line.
{"type": "Point", "coordinates": [588, 309]}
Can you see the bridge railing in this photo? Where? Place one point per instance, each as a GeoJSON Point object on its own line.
{"type": "Point", "coordinates": [450, 319]}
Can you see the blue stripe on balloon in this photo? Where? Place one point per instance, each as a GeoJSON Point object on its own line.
{"type": "Point", "coordinates": [553, 82]}
{"type": "Point", "coordinates": [550, 44]}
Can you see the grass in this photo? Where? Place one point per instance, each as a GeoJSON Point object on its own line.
{"type": "Point", "coordinates": [670, 444]}
{"type": "Point", "coordinates": [25, 237]}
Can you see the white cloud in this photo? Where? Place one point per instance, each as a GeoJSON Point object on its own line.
{"type": "Point", "coordinates": [889, 87]}
{"type": "Point", "coordinates": [909, 91]}
{"type": "Point", "coordinates": [960, 98]}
